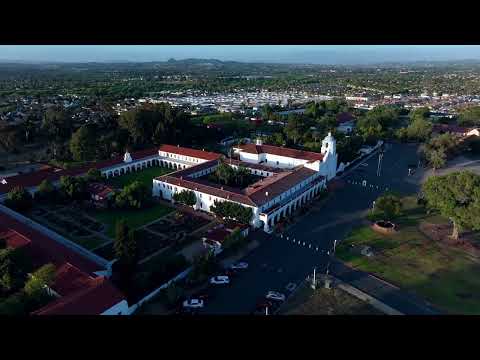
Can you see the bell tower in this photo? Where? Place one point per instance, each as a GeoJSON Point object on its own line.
{"type": "Point", "coordinates": [329, 144]}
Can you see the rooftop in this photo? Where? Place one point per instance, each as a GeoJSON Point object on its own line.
{"type": "Point", "coordinates": [201, 154]}
{"type": "Point", "coordinates": [281, 151]}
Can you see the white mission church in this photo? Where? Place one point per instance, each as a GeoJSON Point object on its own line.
{"type": "Point", "coordinates": [289, 178]}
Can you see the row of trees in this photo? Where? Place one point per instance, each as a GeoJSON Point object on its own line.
{"type": "Point", "coordinates": [232, 211]}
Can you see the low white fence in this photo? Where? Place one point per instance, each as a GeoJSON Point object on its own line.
{"type": "Point", "coordinates": [58, 238]}
{"type": "Point", "coordinates": [342, 167]}
{"type": "Point", "coordinates": [155, 292]}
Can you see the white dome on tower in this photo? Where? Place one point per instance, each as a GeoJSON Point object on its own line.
{"type": "Point", "coordinates": [329, 144]}
{"type": "Point", "coordinates": [127, 157]}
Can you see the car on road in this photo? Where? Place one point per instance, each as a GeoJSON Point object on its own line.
{"type": "Point", "coordinates": [239, 266]}
{"type": "Point", "coordinates": [193, 303]}
{"type": "Point", "coordinates": [275, 295]}
{"type": "Point", "coordinates": [220, 280]}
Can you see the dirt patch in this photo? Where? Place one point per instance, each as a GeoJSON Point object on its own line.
{"type": "Point", "coordinates": [441, 233]}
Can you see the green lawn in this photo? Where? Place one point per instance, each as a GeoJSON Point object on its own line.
{"type": "Point", "coordinates": [447, 277]}
{"type": "Point", "coordinates": [135, 217]}
{"type": "Point", "coordinates": [145, 176]}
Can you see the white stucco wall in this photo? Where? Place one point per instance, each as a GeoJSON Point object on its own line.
{"type": "Point", "coordinates": [120, 308]}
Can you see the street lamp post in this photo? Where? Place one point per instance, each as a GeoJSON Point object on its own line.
{"type": "Point", "coordinates": [314, 282]}
{"type": "Point", "coordinates": [380, 158]}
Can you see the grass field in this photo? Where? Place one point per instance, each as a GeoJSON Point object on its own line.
{"type": "Point", "coordinates": [135, 217]}
{"type": "Point", "coordinates": [445, 276]}
{"type": "Point", "coordinates": [145, 176]}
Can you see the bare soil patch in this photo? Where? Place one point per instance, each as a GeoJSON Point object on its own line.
{"type": "Point", "coordinates": [441, 233]}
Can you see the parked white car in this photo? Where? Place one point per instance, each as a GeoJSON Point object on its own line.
{"type": "Point", "coordinates": [240, 265]}
{"type": "Point", "coordinates": [274, 295]}
{"type": "Point", "coordinates": [219, 280]}
{"type": "Point", "coordinates": [193, 303]}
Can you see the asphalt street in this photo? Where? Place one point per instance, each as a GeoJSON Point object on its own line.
{"type": "Point", "coordinates": [281, 260]}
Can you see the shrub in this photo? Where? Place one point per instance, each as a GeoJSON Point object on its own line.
{"type": "Point", "coordinates": [19, 199]}
{"type": "Point", "coordinates": [185, 197]}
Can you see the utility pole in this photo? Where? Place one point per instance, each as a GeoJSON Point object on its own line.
{"type": "Point", "coordinates": [314, 282]}
{"type": "Point", "coordinates": [380, 158]}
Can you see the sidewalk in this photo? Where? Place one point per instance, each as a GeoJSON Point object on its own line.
{"type": "Point", "coordinates": [394, 297]}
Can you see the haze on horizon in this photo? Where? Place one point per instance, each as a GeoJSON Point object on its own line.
{"type": "Point", "coordinates": [299, 54]}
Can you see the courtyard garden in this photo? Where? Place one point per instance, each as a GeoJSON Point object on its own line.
{"type": "Point", "coordinates": [71, 223]}
{"type": "Point", "coordinates": [145, 176]}
{"type": "Point", "coordinates": [135, 217]}
{"type": "Point", "coordinates": [419, 258]}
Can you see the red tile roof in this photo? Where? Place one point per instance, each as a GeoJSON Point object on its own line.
{"type": "Point", "coordinates": [280, 184]}
{"type": "Point", "coordinates": [53, 174]}
{"type": "Point", "coordinates": [208, 188]}
{"type": "Point", "coordinates": [12, 238]}
{"type": "Point", "coordinates": [46, 250]}
{"type": "Point", "coordinates": [281, 151]}
{"type": "Point", "coordinates": [100, 190]}
{"type": "Point", "coordinates": [95, 298]}
{"type": "Point", "coordinates": [254, 195]}
{"type": "Point", "coordinates": [69, 279]}
{"type": "Point", "coordinates": [218, 234]}
{"type": "Point", "coordinates": [206, 155]}
{"type": "Point", "coordinates": [82, 292]}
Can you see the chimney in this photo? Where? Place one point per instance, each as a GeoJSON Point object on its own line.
{"type": "Point", "coordinates": [178, 145]}
{"type": "Point", "coordinates": [259, 142]}
{"type": "Point", "coordinates": [266, 193]}
{"type": "Point", "coordinates": [181, 177]}
{"type": "Point", "coordinates": [221, 187]}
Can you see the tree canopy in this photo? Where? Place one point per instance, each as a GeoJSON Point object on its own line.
{"type": "Point", "coordinates": [83, 144]}
{"type": "Point", "coordinates": [456, 196]}
{"type": "Point", "coordinates": [232, 211]}
{"type": "Point", "coordinates": [388, 206]}
{"type": "Point", "coordinates": [19, 199]}
{"type": "Point", "coordinates": [186, 197]}
{"type": "Point", "coordinates": [135, 195]}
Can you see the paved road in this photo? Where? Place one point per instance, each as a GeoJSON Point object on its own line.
{"type": "Point", "coordinates": [279, 261]}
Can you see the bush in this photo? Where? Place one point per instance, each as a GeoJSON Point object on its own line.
{"type": "Point", "coordinates": [46, 192]}
{"type": "Point", "coordinates": [387, 207]}
{"type": "Point", "coordinates": [185, 197]}
{"type": "Point", "coordinates": [232, 211]}
{"type": "Point", "coordinates": [13, 305]}
{"type": "Point", "coordinates": [19, 199]}
{"type": "Point", "coordinates": [135, 195]}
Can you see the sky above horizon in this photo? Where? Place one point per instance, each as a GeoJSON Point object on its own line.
{"type": "Point", "coordinates": [310, 54]}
